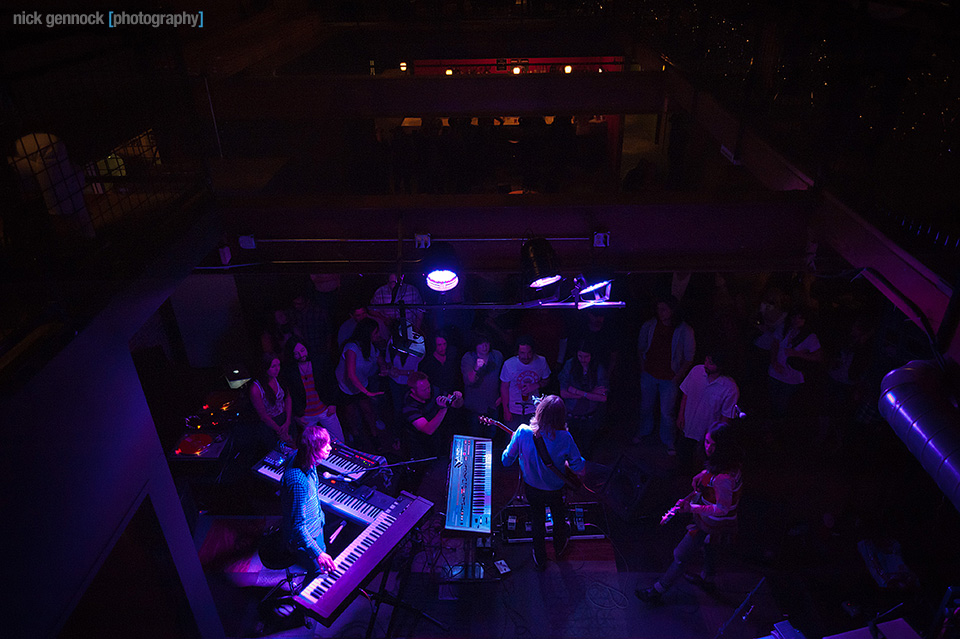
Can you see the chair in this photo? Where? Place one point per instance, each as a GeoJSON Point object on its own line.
{"type": "Point", "coordinates": [275, 555]}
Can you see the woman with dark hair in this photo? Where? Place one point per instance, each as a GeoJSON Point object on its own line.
{"type": "Point", "coordinates": [793, 346]}
{"type": "Point", "coordinates": [713, 502]}
{"type": "Point", "coordinates": [360, 361]}
{"type": "Point", "coordinates": [583, 384]}
{"type": "Point", "coordinates": [270, 400]}
{"type": "Point", "coordinates": [543, 486]}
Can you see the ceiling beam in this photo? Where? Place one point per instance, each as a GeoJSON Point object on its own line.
{"type": "Point", "coordinates": [359, 234]}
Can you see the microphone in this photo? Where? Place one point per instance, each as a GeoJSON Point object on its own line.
{"type": "Point", "coordinates": [347, 477]}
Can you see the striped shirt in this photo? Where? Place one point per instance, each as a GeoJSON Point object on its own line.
{"type": "Point", "coordinates": [314, 405]}
{"type": "Point", "coordinates": [301, 516]}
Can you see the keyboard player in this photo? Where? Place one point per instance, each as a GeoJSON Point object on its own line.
{"type": "Point", "coordinates": [302, 518]}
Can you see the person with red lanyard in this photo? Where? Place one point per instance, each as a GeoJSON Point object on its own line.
{"type": "Point", "coordinates": [665, 346]}
{"type": "Point", "coordinates": [714, 506]}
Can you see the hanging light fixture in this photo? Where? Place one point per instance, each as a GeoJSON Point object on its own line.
{"type": "Point", "coordinates": [592, 288]}
{"type": "Point", "coordinates": [441, 266]}
{"type": "Point", "coordinates": [539, 264]}
{"type": "Point", "coordinates": [593, 280]}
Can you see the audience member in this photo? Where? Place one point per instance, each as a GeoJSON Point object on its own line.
{"type": "Point", "coordinates": [276, 332]}
{"type": "Point", "coordinates": [545, 326]}
{"type": "Point", "coordinates": [360, 362]}
{"type": "Point", "coordinates": [794, 344]}
{"type": "Point", "coordinates": [442, 366]}
{"type": "Point", "coordinates": [770, 317]}
{"type": "Point", "coordinates": [522, 376]}
{"type": "Point", "coordinates": [272, 403]}
{"type": "Point", "coordinates": [314, 309]}
{"type": "Point", "coordinates": [391, 293]}
{"type": "Point", "coordinates": [595, 326]}
{"type": "Point", "coordinates": [707, 396]}
{"type": "Point", "coordinates": [399, 367]}
{"type": "Point", "coordinates": [306, 389]}
{"type": "Point", "coordinates": [357, 313]}
{"type": "Point", "coordinates": [847, 383]}
{"type": "Point", "coordinates": [424, 414]}
{"type": "Point", "coordinates": [480, 368]}
{"type": "Point", "coordinates": [666, 347]}
{"type": "Point", "coordinates": [584, 384]}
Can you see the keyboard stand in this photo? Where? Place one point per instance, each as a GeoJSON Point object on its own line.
{"type": "Point", "coordinates": [469, 570]}
{"type": "Point", "coordinates": [382, 596]}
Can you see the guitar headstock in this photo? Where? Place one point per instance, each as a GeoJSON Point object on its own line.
{"type": "Point", "coordinates": [489, 421]}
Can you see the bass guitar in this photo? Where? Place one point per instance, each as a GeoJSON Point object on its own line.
{"type": "Point", "coordinates": [570, 478]}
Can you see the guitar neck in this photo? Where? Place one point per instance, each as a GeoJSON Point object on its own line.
{"type": "Point", "coordinates": [488, 421]}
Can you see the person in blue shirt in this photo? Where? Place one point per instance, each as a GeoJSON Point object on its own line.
{"type": "Point", "coordinates": [302, 519]}
{"type": "Point", "coordinates": [542, 486]}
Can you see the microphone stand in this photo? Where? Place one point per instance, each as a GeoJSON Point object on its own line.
{"type": "Point", "coordinates": [740, 609]}
{"type": "Point", "coordinates": [367, 491]}
{"type": "Point", "coordinates": [875, 631]}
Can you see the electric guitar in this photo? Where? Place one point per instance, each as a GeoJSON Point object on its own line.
{"type": "Point", "coordinates": [570, 478]}
{"type": "Point", "coordinates": [670, 514]}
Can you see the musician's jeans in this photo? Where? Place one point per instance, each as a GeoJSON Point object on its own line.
{"type": "Point", "coordinates": [306, 561]}
{"type": "Point", "coordinates": [686, 551]}
{"type": "Point", "coordinates": [539, 500]}
{"type": "Point", "coordinates": [667, 391]}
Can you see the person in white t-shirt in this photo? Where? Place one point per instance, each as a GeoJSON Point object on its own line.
{"type": "Point", "coordinates": [522, 377]}
{"type": "Point", "coordinates": [707, 396]}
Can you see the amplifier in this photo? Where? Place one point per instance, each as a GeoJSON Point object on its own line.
{"type": "Point", "coordinates": [587, 520]}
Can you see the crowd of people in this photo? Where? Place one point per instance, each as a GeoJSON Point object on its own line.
{"type": "Point", "coordinates": [359, 378]}
{"type": "Point", "coordinates": [395, 381]}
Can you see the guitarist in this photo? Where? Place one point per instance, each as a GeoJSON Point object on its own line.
{"type": "Point", "coordinates": [544, 447]}
{"type": "Point", "coordinates": [714, 507]}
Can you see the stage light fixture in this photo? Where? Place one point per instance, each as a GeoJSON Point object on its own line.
{"type": "Point", "coordinates": [592, 288]}
{"type": "Point", "coordinates": [568, 69]}
{"type": "Point", "coordinates": [440, 266]}
{"type": "Point", "coordinates": [403, 66]}
{"type": "Point", "coordinates": [539, 264]}
{"type": "Point", "coordinates": [516, 70]}
{"type": "Point", "coordinates": [449, 72]}
{"type": "Point", "coordinates": [591, 280]}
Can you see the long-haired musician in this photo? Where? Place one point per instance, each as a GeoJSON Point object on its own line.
{"type": "Point", "coordinates": [543, 486]}
{"type": "Point", "coordinates": [714, 506]}
{"type": "Point", "coordinates": [302, 519]}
